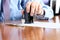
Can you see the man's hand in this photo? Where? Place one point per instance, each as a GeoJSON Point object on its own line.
{"type": "Point", "coordinates": [34, 8]}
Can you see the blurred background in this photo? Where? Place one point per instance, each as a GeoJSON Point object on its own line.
{"type": "Point", "coordinates": [54, 4]}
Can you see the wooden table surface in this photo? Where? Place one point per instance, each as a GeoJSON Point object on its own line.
{"type": "Point", "coordinates": [28, 33]}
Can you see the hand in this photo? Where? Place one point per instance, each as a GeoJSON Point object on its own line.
{"type": "Point", "coordinates": [34, 8]}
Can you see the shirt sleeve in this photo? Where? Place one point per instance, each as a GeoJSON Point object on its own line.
{"type": "Point", "coordinates": [15, 12]}
{"type": "Point", "coordinates": [48, 12]}
{"type": "Point", "coordinates": [16, 15]}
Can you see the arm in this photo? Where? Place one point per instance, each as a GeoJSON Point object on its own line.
{"type": "Point", "coordinates": [48, 12]}
{"type": "Point", "coordinates": [15, 12]}
{"type": "Point", "coordinates": [16, 15]}
{"type": "Point", "coordinates": [41, 6]}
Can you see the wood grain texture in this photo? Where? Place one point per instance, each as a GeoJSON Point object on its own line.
{"type": "Point", "coordinates": [28, 33]}
{"type": "Point", "coordinates": [31, 33]}
{"type": "Point", "coordinates": [0, 34]}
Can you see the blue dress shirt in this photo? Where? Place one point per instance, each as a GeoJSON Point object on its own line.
{"type": "Point", "coordinates": [17, 5]}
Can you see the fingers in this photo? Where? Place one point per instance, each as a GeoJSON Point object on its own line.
{"type": "Point", "coordinates": [36, 9]}
{"type": "Point", "coordinates": [39, 10]}
{"type": "Point", "coordinates": [28, 7]}
{"type": "Point", "coordinates": [32, 8]}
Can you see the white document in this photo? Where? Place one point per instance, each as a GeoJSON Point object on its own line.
{"type": "Point", "coordinates": [38, 24]}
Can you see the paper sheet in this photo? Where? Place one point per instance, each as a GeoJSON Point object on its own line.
{"type": "Point", "coordinates": [38, 24]}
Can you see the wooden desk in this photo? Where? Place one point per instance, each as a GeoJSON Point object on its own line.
{"type": "Point", "coordinates": [0, 33]}
{"type": "Point", "coordinates": [15, 33]}
{"type": "Point", "coordinates": [29, 33]}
